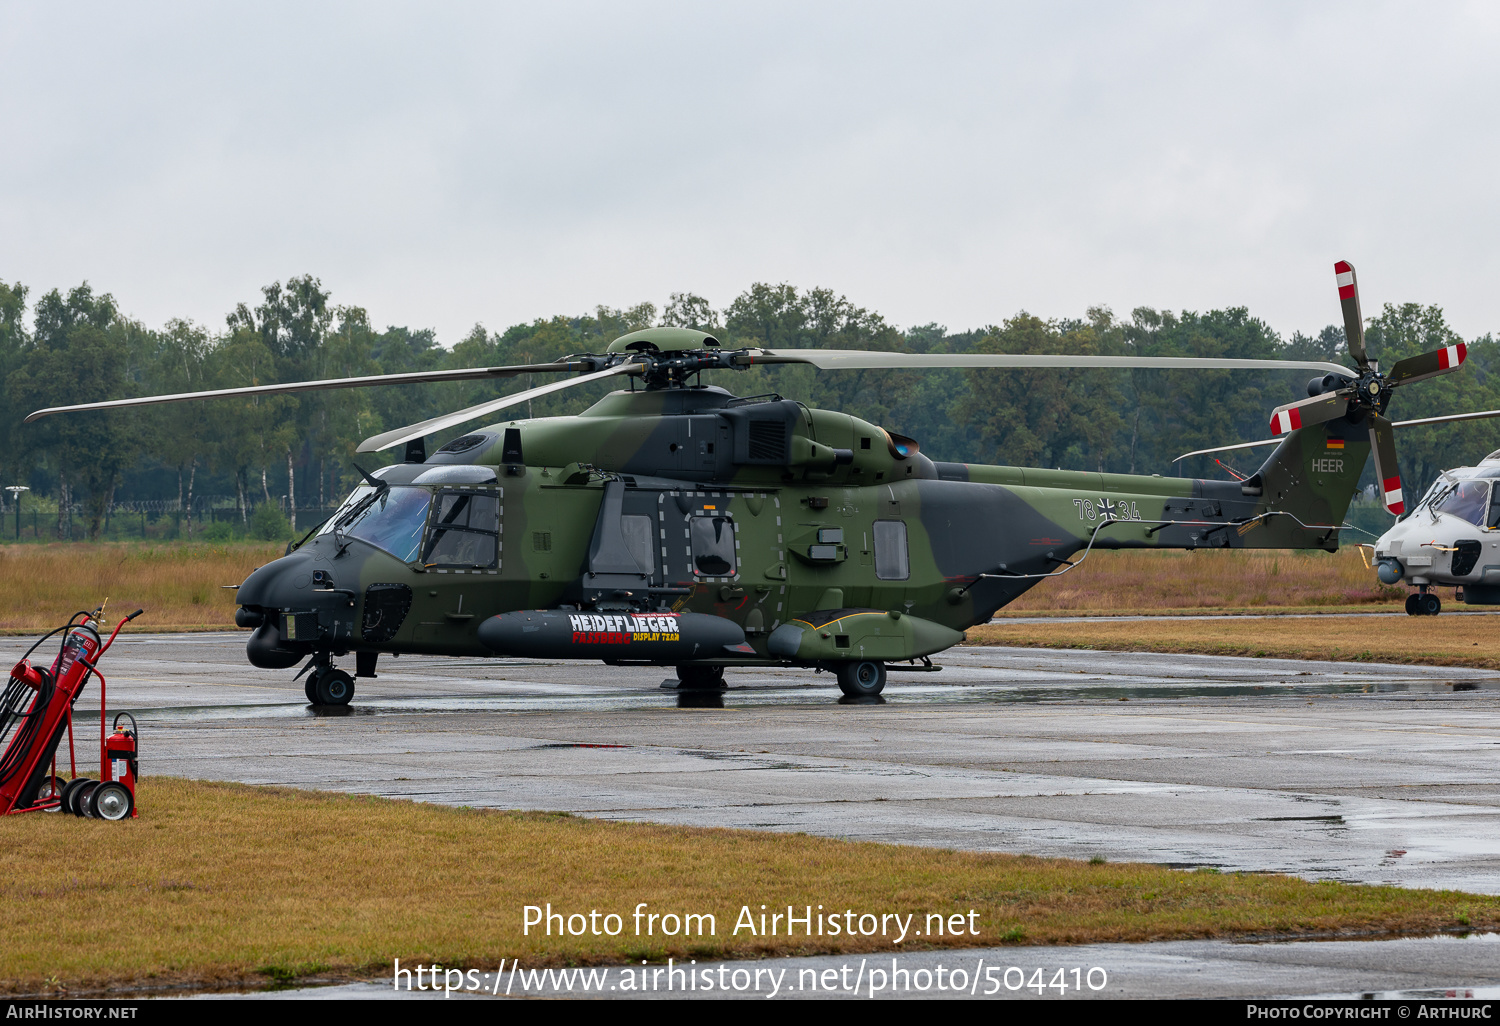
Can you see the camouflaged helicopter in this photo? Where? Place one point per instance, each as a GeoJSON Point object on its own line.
{"type": "Point", "coordinates": [676, 524]}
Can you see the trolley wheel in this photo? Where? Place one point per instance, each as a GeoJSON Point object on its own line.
{"type": "Point", "coordinates": [112, 801]}
{"type": "Point", "coordinates": [52, 787]}
{"type": "Point", "coordinates": [333, 687]}
{"type": "Point", "coordinates": [78, 805]}
{"type": "Point", "coordinates": [70, 796]}
{"type": "Point", "coordinates": [861, 678]}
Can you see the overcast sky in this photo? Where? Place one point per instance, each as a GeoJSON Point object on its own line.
{"type": "Point", "coordinates": [447, 164]}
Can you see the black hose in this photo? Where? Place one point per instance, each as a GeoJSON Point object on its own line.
{"type": "Point", "coordinates": [16, 694]}
{"type": "Point", "coordinates": [13, 700]}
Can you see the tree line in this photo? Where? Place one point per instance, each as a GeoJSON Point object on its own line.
{"type": "Point", "coordinates": [296, 452]}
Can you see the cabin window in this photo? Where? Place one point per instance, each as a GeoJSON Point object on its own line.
{"type": "Point", "coordinates": [637, 532]}
{"type": "Point", "coordinates": [713, 546]}
{"type": "Point", "coordinates": [465, 530]}
{"type": "Point", "coordinates": [891, 562]}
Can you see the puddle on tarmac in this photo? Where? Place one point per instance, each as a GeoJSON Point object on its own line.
{"type": "Point", "coordinates": [557, 699]}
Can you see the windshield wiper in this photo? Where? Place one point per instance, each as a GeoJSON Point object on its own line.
{"type": "Point", "coordinates": [381, 488]}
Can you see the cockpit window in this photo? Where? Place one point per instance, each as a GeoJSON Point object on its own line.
{"type": "Point", "coordinates": [393, 521]}
{"type": "Point", "coordinates": [1467, 500]}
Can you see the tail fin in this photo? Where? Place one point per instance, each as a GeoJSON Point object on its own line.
{"type": "Point", "coordinates": [1310, 479]}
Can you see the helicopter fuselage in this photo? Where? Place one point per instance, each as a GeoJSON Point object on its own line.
{"type": "Point", "coordinates": [1451, 538]}
{"type": "Point", "coordinates": [818, 537]}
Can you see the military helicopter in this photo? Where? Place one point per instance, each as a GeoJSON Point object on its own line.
{"type": "Point", "coordinates": [1444, 539]}
{"type": "Point", "coordinates": [677, 524]}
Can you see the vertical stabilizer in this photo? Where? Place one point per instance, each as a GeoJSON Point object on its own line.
{"type": "Point", "coordinates": [1312, 476]}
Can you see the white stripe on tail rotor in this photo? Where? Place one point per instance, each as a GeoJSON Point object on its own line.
{"type": "Point", "coordinates": [1285, 420]}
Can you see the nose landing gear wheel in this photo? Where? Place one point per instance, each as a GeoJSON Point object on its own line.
{"type": "Point", "coordinates": [111, 801]}
{"type": "Point", "coordinates": [333, 687]}
{"type": "Point", "coordinates": [1429, 604]}
{"type": "Point", "coordinates": [861, 678]}
{"type": "Point", "coordinates": [1411, 604]}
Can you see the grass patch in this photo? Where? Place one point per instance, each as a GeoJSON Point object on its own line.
{"type": "Point", "coordinates": [1145, 581]}
{"type": "Point", "coordinates": [178, 584]}
{"type": "Point", "coordinates": [224, 882]}
{"type": "Point", "coordinates": [1433, 641]}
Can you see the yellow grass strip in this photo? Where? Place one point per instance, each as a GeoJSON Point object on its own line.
{"type": "Point", "coordinates": [1163, 581]}
{"type": "Point", "coordinates": [1434, 641]}
{"type": "Point", "coordinates": [178, 584]}
{"type": "Point", "coordinates": [222, 882]}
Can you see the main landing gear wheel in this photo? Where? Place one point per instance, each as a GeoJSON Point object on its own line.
{"type": "Point", "coordinates": [332, 686]}
{"type": "Point", "coordinates": [111, 801]}
{"type": "Point", "coordinates": [861, 678]}
{"type": "Point", "coordinates": [701, 678]}
{"type": "Point", "coordinates": [308, 688]}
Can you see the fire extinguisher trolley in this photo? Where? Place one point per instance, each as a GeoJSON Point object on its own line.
{"type": "Point", "coordinates": [37, 707]}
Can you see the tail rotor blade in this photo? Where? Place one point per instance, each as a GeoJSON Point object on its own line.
{"type": "Point", "coordinates": [1428, 365]}
{"type": "Point", "coordinates": [1320, 408]}
{"type": "Point", "coordinates": [1383, 442]}
{"type": "Point", "coordinates": [1354, 324]}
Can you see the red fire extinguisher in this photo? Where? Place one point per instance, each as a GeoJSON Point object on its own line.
{"type": "Point", "coordinates": [114, 798]}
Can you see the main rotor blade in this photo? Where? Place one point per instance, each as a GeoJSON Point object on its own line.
{"type": "Point", "coordinates": [1383, 442]}
{"type": "Point", "coordinates": [1320, 408]}
{"type": "Point", "coordinates": [1428, 365]}
{"type": "Point", "coordinates": [856, 359]}
{"type": "Point", "coordinates": [400, 435]}
{"type": "Point", "coordinates": [1354, 324]}
{"type": "Point", "coordinates": [1228, 448]}
{"type": "Point", "coordinates": [414, 377]}
{"type": "Point", "coordinates": [1451, 418]}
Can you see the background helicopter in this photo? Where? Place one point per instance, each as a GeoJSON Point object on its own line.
{"type": "Point", "coordinates": [676, 524]}
{"type": "Point", "coordinates": [1449, 538]}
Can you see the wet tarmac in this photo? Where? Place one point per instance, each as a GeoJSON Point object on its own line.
{"type": "Point", "coordinates": [1368, 615]}
{"type": "Point", "coordinates": [1355, 772]}
{"type": "Point", "coordinates": [1418, 969]}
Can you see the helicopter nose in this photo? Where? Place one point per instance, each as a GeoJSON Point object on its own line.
{"type": "Point", "coordinates": [280, 584]}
